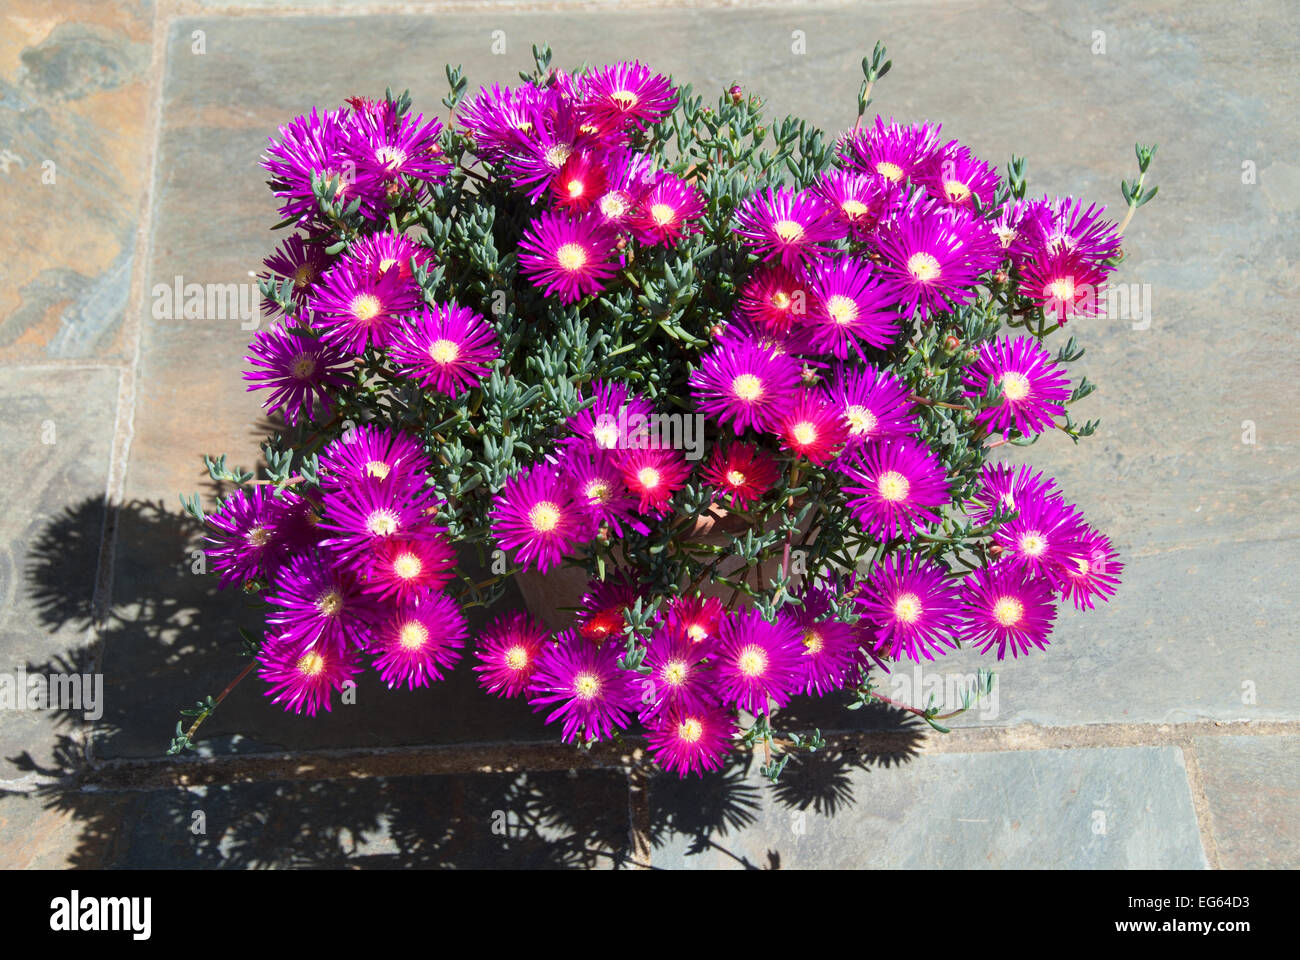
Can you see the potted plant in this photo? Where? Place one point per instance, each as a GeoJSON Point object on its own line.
{"type": "Point", "coordinates": [720, 393]}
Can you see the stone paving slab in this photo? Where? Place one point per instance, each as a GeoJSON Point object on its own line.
{"type": "Point", "coordinates": [55, 443]}
{"type": "Point", "coordinates": [551, 820]}
{"type": "Point", "coordinates": [1119, 808]}
{"type": "Point", "coordinates": [74, 135]}
{"type": "Point", "coordinates": [1253, 787]}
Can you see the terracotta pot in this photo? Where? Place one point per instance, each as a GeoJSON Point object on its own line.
{"type": "Point", "coordinates": [546, 595]}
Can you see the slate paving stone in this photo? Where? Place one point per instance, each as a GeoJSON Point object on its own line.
{"type": "Point", "coordinates": [74, 135]}
{"type": "Point", "coordinates": [1121, 808]}
{"type": "Point", "coordinates": [550, 820]}
{"type": "Point", "coordinates": [1253, 786]}
{"type": "Point", "coordinates": [55, 441]}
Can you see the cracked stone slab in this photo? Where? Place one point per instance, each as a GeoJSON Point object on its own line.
{"type": "Point", "coordinates": [1114, 808]}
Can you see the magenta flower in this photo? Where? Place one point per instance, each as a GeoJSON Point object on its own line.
{"type": "Point", "coordinates": [602, 612]}
{"type": "Point", "coordinates": [1068, 228]}
{"type": "Point", "coordinates": [1064, 284]}
{"type": "Point", "coordinates": [299, 371]}
{"type": "Point", "coordinates": [913, 606]}
{"type": "Point", "coordinates": [742, 472]}
{"type": "Point", "coordinates": [667, 212]}
{"type": "Point", "coordinates": [579, 183]}
{"type": "Point", "coordinates": [956, 174]}
{"type": "Point", "coordinates": [679, 677]}
{"type": "Point", "coordinates": [1006, 487]}
{"type": "Point", "coordinates": [615, 419]}
{"type": "Point", "coordinates": [934, 255]}
{"type": "Point", "coordinates": [1034, 388]}
{"type": "Point", "coordinates": [896, 487]}
{"type": "Point", "coordinates": [299, 259]}
{"type": "Point", "coordinates": [373, 452]}
{"type": "Point", "coordinates": [745, 384]}
{"type": "Point", "coordinates": [629, 176]}
{"type": "Point", "coordinates": [310, 147]}
{"type": "Point", "coordinates": [698, 618]}
{"type": "Point", "coordinates": [420, 641]}
{"type": "Point", "coordinates": [508, 650]}
{"type": "Point", "coordinates": [875, 405]}
{"type": "Point", "coordinates": [252, 536]}
{"type": "Point", "coordinates": [357, 308]}
{"type": "Point", "coordinates": [774, 300]}
{"type": "Point", "coordinates": [812, 427]}
{"type": "Point", "coordinates": [362, 516]}
{"type": "Point", "coordinates": [568, 258]}
{"type": "Point", "coordinates": [860, 201]}
{"type": "Point", "coordinates": [830, 647]}
{"type": "Point", "coordinates": [1093, 575]}
{"type": "Point", "coordinates": [783, 225]}
{"type": "Point", "coordinates": [449, 350]}
{"type": "Point", "coordinates": [627, 94]}
{"type": "Point", "coordinates": [1044, 534]}
{"type": "Point", "coordinates": [381, 252]}
{"type": "Point", "coordinates": [890, 150]}
{"type": "Point", "coordinates": [303, 679]}
{"type": "Point", "coordinates": [536, 515]}
{"type": "Point", "coordinates": [595, 696]}
{"type": "Point", "coordinates": [683, 741]}
{"type": "Point", "coordinates": [757, 662]}
{"type": "Point", "coordinates": [850, 306]}
{"type": "Point", "coordinates": [653, 473]}
{"type": "Point", "coordinates": [409, 568]}
{"type": "Point", "coordinates": [395, 153]}
{"type": "Point", "coordinates": [598, 489]}
{"type": "Point", "coordinates": [496, 117]}
{"type": "Point", "coordinates": [1005, 606]}
{"type": "Point", "coordinates": [322, 606]}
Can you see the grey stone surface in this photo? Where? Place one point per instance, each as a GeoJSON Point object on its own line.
{"type": "Point", "coordinates": [1253, 786]}
{"type": "Point", "coordinates": [1119, 808]}
{"type": "Point", "coordinates": [551, 820]}
{"type": "Point", "coordinates": [55, 443]}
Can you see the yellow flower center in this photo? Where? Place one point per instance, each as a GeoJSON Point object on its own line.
{"type": "Point", "coordinates": [407, 566]}
{"type": "Point", "coordinates": [697, 633]}
{"type": "Point", "coordinates": [781, 300]}
{"type": "Point", "coordinates": [648, 477]}
{"type": "Point", "coordinates": [1015, 386]}
{"type": "Point", "coordinates": [626, 99]}
{"type": "Point", "coordinates": [804, 433]}
{"type": "Point", "coordinates": [586, 686]}
{"type": "Point", "coordinates": [414, 635]}
{"type": "Point", "coordinates": [517, 658]}
{"type": "Point", "coordinates": [752, 661]}
{"type": "Point", "coordinates": [383, 522]}
{"type": "Point", "coordinates": [304, 275]}
{"type": "Point", "coordinates": [258, 536]}
{"type": "Point", "coordinates": [576, 188]}
{"type": "Point", "coordinates": [597, 491]}
{"type": "Point", "coordinates": [606, 434]}
{"type": "Point", "coordinates": [1008, 611]}
{"type": "Point", "coordinates": [788, 230]}
{"type": "Point", "coordinates": [923, 267]}
{"type": "Point", "coordinates": [386, 264]}
{"type": "Point", "coordinates": [390, 156]}
{"type": "Point", "coordinates": [908, 608]}
{"type": "Point", "coordinates": [956, 191]}
{"type": "Point", "coordinates": [735, 478]}
{"type": "Point", "coordinates": [747, 387]}
{"type": "Point", "coordinates": [812, 642]}
{"type": "Point", "coordinates": [557, 154]}
{"type": "Point", "coordinates": [663, 214]}
{"type": "Point", "coordinates": [366, 306]}
{"type": "Point", "coordinates": [330, 603]}
{"type": "Point", "coordinates": [311, 663]}
{"type": "Point", "coordinates": [842, 309]}
{"type": "Point", "coordinates": [303, 366]}
{"type": "Point", "coordinates": [1062, 289]}
{"type": "Point", "coordinates": [853, 209]}
{"type": "Point", "coordinates": [571, 256]}
{"type": "Point", "coordinates": [444, 351]}
{"type": "Point", "coordinates": [1082, 564]}
{"type": "Point", "coordinates": [861, 420]}
{"type": "Point", "coordinates": [1033, 544]}
{"type": "Point", "coordinates": [1005, 235]}
{"type": "Point", "coordinates": [544, 516]}
{"type": "Point", "coordinates": [890, 171]}
{"type": "Point", "coordinates": [674, 672]}
{"type": "Point", "coordinates": [614, 205]}
{"type": "Point", "coordinates": [690, 730]}
{"type": "Point", "coordinates": [892, 486]}
{"type": "Point", "coordinates": [377, 468]}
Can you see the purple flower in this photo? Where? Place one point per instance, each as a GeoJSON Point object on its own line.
{"type": "Point", "coordinates": [1093, 575]}
{"type": "Point", "coordinates": [536, 515]}
{"type": "Point", "coordinates": [850, 306]}
{"type": "Point", "coordinates": [679, 677]}
{"type": "Point", "coordinates": [508, 650]}
{"type": "Point", "coordinates": [745, 384]}
{"type": "Point", "coordinates": [1003, 606]}
{"type": "Point", "coordinates": [860, 201]}
{"type": "Point", "coordinates": [298, 370]}
{"type": "Point", "coordinates": [565, 257]}
{"type": "Point", "coordinates": [890, 150]}
{"type": "Point", "coordinates": [913, 605]}
{"type": "Point", "coordinates": [956, 174]}
{"type": "Point", "coordinates": [356, 307]}
{"type": "Point", "coordinates": [450, 349]}
{"type": "Point", "coordinates": [370, 512]}
{"type": "Point", "coordinates": [934, 256]}
{"type": "Point", "coordinates": [303, 679]}
{"type": "Point", "coordinates": [299, 259]}
{"type": "Point", "coordinates": [875, 404]}
{"type": "Point", "coordinates": [627, 94]}
{"type": "Point", "coordinates": [757, 662]}
{"type": "Point", "coordinates": [1034, 389]}
{"type": "Point", "coordinates": [371, 452]}
{"type": "Point", "coordinates": [1005, 487]}
{"type": "Point", "coordinates": [595, 695]}
{"type": "Point", "coordinates": [1044, 534]}
{"type": "Point", "coordinates": [895, 487]}
{"type": "Point", "coordinates": [691, 741]}
{"type": "Point", "coordinates": [783, 225]}
{"type": "Point", "coordinates": [311, 146]}
{"type": "Point", "coordinates": [252, 534]}
{"type": "Point", "coordinates": [322, 605]}
{"type": "Point", "coordinates": [419, 641]}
